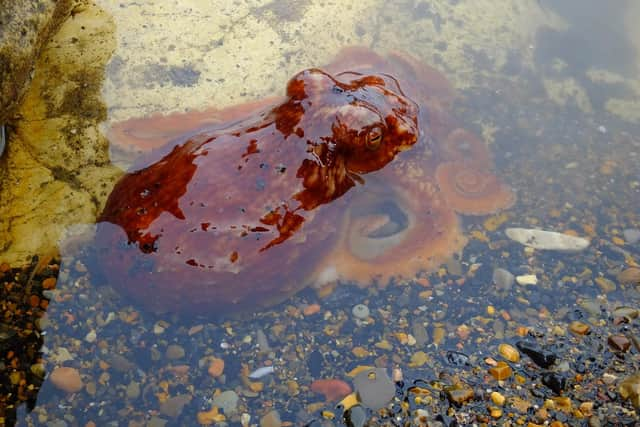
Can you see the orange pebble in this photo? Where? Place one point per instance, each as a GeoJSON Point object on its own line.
{"type": "Point", "coordinates": [332, 389]}
{"type": "Point", "coordinates": [49, 283]}
{"type": "Point", "coordinates": [216, 367]}
{"type": "Point", "coordinates": [311, 309]}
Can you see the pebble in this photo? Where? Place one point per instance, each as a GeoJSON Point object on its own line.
{"type": "Point", "coordinates": [579, 328]}
{"type": "Point", "coordinates": [549, 240]}
{"type": "Point", "coordinates": [216, 367]}
{"type": "Point", "coordinates": [527, 279]}
{"type": "Point", "coordinates": [262, 342]}
{"type": "Point", "coordinates": [503, 279]}
{"type": "Point", "coordinates": [509, 352]}
{"type": "Point", "coordinates": [271, 419]}
{"type": "Point", "coordinates": [91, 336]}
{"type": "Point", "coordinates": [629, 276]}
{"type": "Point", "coordinates": [360, 311]}
{"type": "Point", "coordinates": [501, 371]}
{"type": "Point", "coordinates": [631, 235]}
{"type": "Point", "coordinates": [541, 357]}
{"type": "Point", "coordinates": [459, 393]}
{"type": "Point", "coordinates": [619, 343]}
{"type": "Point", "coordinates": [173, 406]}
{"type": "Point", "coordinates": [374, 388]}
{"type": "Point", "coordinates": [133, 390]}
{"type": "Point", "coordinates": [227, 401]}
{"type": "Point", "coordinates": [174, 352]}
{"type": "Point", "coordinates": [261, 372]}
{"type": "Point", "coordinates": [66, 379]}
{"type": "Point", "coordinates": [629, 389]}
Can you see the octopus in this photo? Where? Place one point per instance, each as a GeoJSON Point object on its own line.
{"type": "Point", "coordinates": [357, 174]}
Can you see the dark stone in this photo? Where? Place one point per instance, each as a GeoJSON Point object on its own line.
{"type": "Point", "coordinates": [356, 416]}
{"type": "Point", "coordinates": [555, 381]}
{"type": "Point", "coordinates": [315, 363]}
{"type": "Point", "coordinates": [456, 358]}
{"type": "Point", "coordinates": [541, 357]}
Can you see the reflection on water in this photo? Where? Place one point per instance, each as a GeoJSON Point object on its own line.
{"type": "Point", "coordinates": [534, 109]}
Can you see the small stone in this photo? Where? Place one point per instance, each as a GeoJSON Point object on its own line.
{"type": "Point", "coordinates": [418, 359]}
{"type": "Point", "coordinates": [549, 240]}
{"type": "Point", "coordinates": [375, 388]}
{"type": "Point", "coordinates": [133, 390]}
{"type": "Point", "coordinates": [503, 279]}
{"type": "Point", "coordinates": [509, 352]}
{"type": "Point", "coordinates": [271, 419]}
{"type": "Point", "coordinates": [629, 389]}
{"type": "Point", "coordinates": [495, 412]}
{"type": "Point", "coordinates": [459, 393]}
{"type": "Point", "coordinates": [579, 328]}
{"type": "Point", "coordinates": [216, 367]}
{"type": "Point", "coordinates": [605, 284]}
{"type": "Point", "coordinates": [66, 379]}
{"type": "Point", "coordinates": [629, 276]}
{"type": "Point", "coordinates": [360, 311]}
{"type": "Point", "coordinates": [91, 336]}
{"type": "Point", "coordinates": [497, 398]}
{"type": "Point", "coordinates": [541, 357]}
{"type": "Point", "coordinates": [501, 371]}
{"type": "Point", "coordinates": [619, 343]}
{"type": "Point", "coordinates": [173, 406]}
{"type": "Point", "coordinates": [227, 401]}
{"type": "Point", "coordinates": [628, 313]}
{"type": "Point", "coordinates": [527, 279]}
{"type": "Point", "coordinates": [631, 235]}
{"type": "Point", "coordinates": [174, 352]}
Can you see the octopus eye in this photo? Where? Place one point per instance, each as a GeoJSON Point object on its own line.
{"type": "Point", "coordinates": [374, 138]}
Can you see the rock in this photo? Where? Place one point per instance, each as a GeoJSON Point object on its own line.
{"type": "Point", "coordinates": [555, 381]}
{"type": "Point", "coordinates": [174, 352]}
{"type": "Point", "coordinates": [26, 26]}
{"type": "Point", "coordinates": [360, 311]}
{"type": "Point", "coordinates": [459, 393]}
{"type": "Point", "coordinates": [527, 279]}
{"type": "Point", "coordinates": [66, 379]}
{"type": "Point", "coordinates": [629, 276]}
{"type": "Point", "coordinates": [315, 363]}
{"type": "Point", "coordinates": [503, 279]}
{"type": "Point", "coordinates": [332, 389]}
{"type": "Point", "coordinates": [629, 389]}
{"type": "Point", "coordinates": [374, 388]}
{"type": "Point", "coordinates": [227, 401]}
{"type": "Point", "coordinates": [541, 357]}
{"type": "Point", "coordinates": [133, 390]}
{"type": "Point", "coordinates": [631, 235]}
{"type": "Point", "coordinates": [550, 240]}
{"type": "Point", "coordinates": [271, 419]}
{"type": "Point", "coordinates": [173, 406]}
{"type": "Point", "coordinates": [120, 363]}
{"type": "Point", "coordinates": [619, 343]}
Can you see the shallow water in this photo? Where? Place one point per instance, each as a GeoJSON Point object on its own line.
{"type": "Point", "coordinates": [540, 84]}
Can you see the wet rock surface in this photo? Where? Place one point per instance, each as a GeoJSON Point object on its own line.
{"type": "Point", "coordinates": [25, 27]}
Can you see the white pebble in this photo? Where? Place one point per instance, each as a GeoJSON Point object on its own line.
{"type": "Point", "coordinates": [91, 336]}
{"type": "Point", "coordinates": [527, 279]}
{"type": "Point", "coordinates": [550, 240]}
{"type": "Point", "coordinates": [261, 372]}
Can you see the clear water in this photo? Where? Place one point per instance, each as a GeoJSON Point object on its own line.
{"type": "Point", "coordinates": [550, 89]}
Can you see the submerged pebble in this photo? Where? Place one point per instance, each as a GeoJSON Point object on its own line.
{"type": "Point", "coordinates": [360, 311]}
{"type": "Point", "coordinates": [374, 387]}
{"type": "Point", "coordinates": [631, 235]}
{"type": "Point", "coordinates": [503, 279]}
{"type": "Point", "coordinates": [549, 240]}
{"type": "Point", "coordinates": [261, 372]}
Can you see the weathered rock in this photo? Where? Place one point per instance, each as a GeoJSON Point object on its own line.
{"type": "Point", "coordinates": [629, 276]}
{"type": "Point", "coordinates": [66, 379]}
{"type": "Point", "coordinates": [629, 389]}
{"type": "Point", "coordinates": [25, 27]}
{"type": "Point", "coordinates": [374, 387]}
{"type": "Point", "coordinates": [503, 279]}
{"type": "Point", "coordinates": [550, 240]}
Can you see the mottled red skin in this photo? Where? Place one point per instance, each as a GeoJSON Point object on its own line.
{"type": "Point", "coordinates": [233, 217]}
